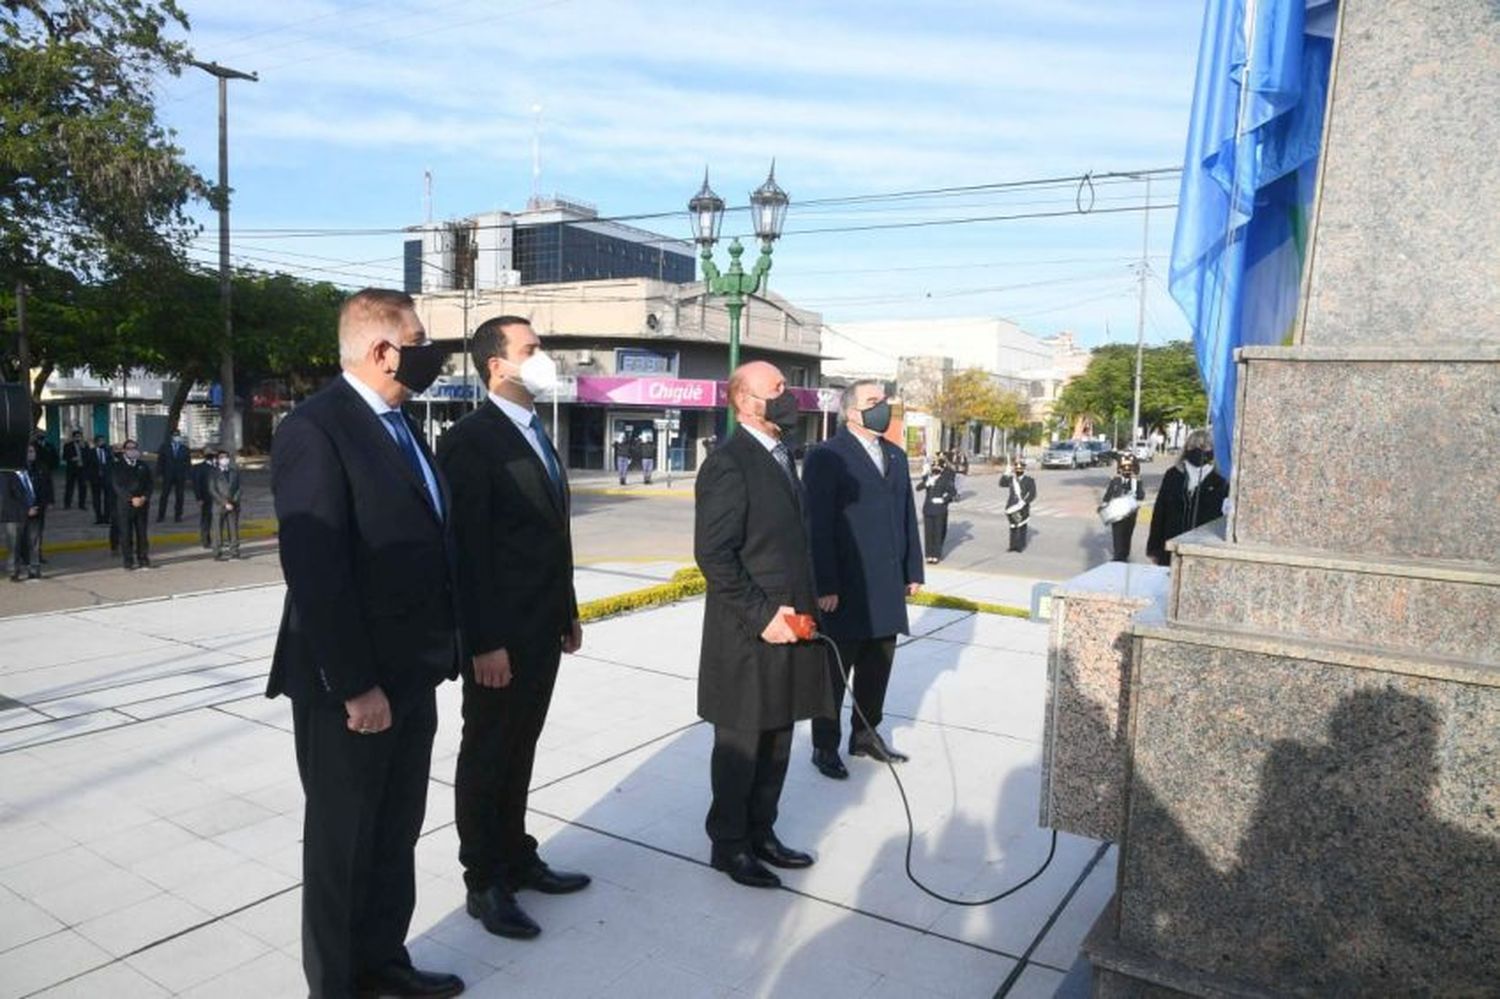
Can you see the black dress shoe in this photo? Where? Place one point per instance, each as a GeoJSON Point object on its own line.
{"type": "Point", "coordinates": [872, 745]}
{"type": "Point", "coordinates": [744, 869]}
{"type": "Point", "coordinates": [496, 908]}
{"type": "Point", "coordinates": [404, 980]}
{"type": "Point", "coordinates": [548, 881]}
{"type": "Point", "coordinates": [829, 765]}
{"type": "Point", "coordinates": [776, 853]}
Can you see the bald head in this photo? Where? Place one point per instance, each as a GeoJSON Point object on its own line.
{"type": "Point", "coordinates": [749, 386]}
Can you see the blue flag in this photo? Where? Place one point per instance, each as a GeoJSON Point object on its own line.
{"type": "Point", "coordinates": [1247, 184]}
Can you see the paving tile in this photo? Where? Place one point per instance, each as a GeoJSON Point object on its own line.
{"type": "Point", "coordinates": [271, 974]}
{"type": "Point", "coordinates": [47, 961]}
{"type": "Point", "coordinates": [277, 920]}
{"type": "Point", "coordinates": [1036, 983]}
{"type": "Point", "coordinates": [129, 929]}
{"type": "Point", "coordinates": [22, 922]}
{"type": "Point", "coordinates": [117, 981]}
{"type": "Point", "coordinates": [96, 895]}
{"type": "Point", "coordinates": [197, 957]}
{"type": "Point", "coordinates": [54, 870]}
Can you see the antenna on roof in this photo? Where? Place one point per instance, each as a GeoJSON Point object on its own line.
{"type": "Point", "coordinates": [536, 156]}
{"type": "Point", "coordinates": [427, 195]}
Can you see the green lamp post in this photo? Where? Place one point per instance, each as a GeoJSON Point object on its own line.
{"type": "Point", "coordinates": [768, 210]}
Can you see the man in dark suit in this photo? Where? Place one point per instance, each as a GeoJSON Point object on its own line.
{"type": "Point", "coordinates": [39, 477]}
{"type": "Point", "coordinates": [172, 466]}
{"type": "Point", "coordinates": [867, 559]}
{"type": "Point", "coordinates": [96, 471]}
{"type": "Point", "coordinates": [132, 485]}
{"type": "Point", "coordinates": [224, 493]}
{"type": "Point", "coordinates": [201, 473]}
{"type": "Point", "coordinates": [1020, 492]}
{"type": "Point", "coordinates": [754, 678]}
{"type": "Point", "coordinates": [73, 477]}
{"type": "Point", "coordinates": [518, 612]}
{"type": "Point", "coordinates": [368, 631]}
{"type": "Point", "coordinates": [19, 510]}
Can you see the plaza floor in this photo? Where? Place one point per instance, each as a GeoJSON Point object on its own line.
{"type": "Point", "coordinates": [150, 817]}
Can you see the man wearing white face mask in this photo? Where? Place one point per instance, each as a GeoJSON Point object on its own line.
{"type": "Point", "coordinates": [518, 614]}
{"type": "Point", "coordinates": [133, 486]}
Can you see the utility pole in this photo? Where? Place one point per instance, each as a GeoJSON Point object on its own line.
{"type": "Point", "coordinates": [1140, 323]}
{"type": "Point", "coordinates": [228, 438]}
{"type": "Point", "coordinates": [23, 345]}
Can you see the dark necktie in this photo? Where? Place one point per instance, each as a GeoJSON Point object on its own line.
{"type": "Point", "coordinates": [397, 423]}
{"type": "Point", "coordinates": [548, 458]}
{"type": "Point", "coordinates": [30, 493]}
{"type": "Point", "coordinates": [784, 459]}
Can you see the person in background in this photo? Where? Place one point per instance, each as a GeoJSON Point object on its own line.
{"type": "Point", "coordinates": [224, 497]}
{"type": "Point", "coordinates": [172, 466]}
{"type": "Point", "coordinates": [46, 495]}
{"type": "Point", "coordinates": [18, 514]}
{"type": "Point", "coordinates": [73, 473]}
{"type": "Point", "coordinates": [867, 559]}
{"type": "Point", "coordinates": [46, 454]}
{"type": "Point", "coordinates": [941, 487]}
{"type": "Point", "coordinates": [97, 473]}
{"type": "Point", "coordinates": [1126, 484]}
{"type": "Point", "coordinates": [201, 472]}
{"type": "Point", "coordinates": [623, 449]}
{"type": "Point", "coordinates": [1192, 494]}
{"type": "Point", "coordinates": [1020, 490]}
{"type": "Point", "coordinates": [132, 487]}
{"type": "Point", "coordinates": [646, 449]}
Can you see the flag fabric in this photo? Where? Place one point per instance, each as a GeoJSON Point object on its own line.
{"type": "Point", "coordinates": [1247, 184]}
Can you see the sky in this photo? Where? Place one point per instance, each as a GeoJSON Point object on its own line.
{"type": "Point", "coordinates": [357, 100]}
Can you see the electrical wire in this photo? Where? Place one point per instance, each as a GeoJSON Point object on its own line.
{"type": "Point", "coordinates": [911, 826]}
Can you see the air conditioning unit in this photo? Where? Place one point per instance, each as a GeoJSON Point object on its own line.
{"type": "Point", "coordinates": [585, 358]}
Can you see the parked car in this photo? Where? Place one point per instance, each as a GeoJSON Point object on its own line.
{"type": "Point", "coordinates": [1143, 451]}
{"type": "Point", "coordinates": [1103, 452]}
{"type": "Point", "coordinates": [1067, 454]}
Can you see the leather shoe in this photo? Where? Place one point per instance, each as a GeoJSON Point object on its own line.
{"type": "Point", "coordinates": [496, 908]}
{"type": "Point", "coordinates": [829, 765]}
{"type": "Point", "coordinates": [872, 745]}
{"type": "Point", "coordinates": [404, 980]}
{"type": "Point", "coordinates": [540, 877]}
{"type": "Point", "coordinates": [744, 869]}
{"type": "Point", "coordinates": [776, 853]}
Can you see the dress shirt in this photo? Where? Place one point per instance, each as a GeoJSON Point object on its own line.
{"type": "Point", "coordinates": [521, 417]}
{"type": "Point", "coordinates": [872, 448]}
{"type": "Point", "coordinates": [380, 407]}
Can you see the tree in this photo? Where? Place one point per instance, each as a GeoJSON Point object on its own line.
{"type": "Point", "coordinates": [1104, 393]}
{"type": "Point", "coordinates": [971, 396]}
{"type": "Point", "coordinates": [91, 185]}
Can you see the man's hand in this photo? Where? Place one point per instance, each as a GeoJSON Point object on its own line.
{"type": "Point", "coordinates": [778, 632]}
{"type": "Point", "coordinates": [828, 604]}
{"type": "Point", "coordinates": [35, 511]}
{"type": "Point", "coordinates": [229, 506]}
{"type": "Point", "coordinates": [370, 712]}
{"type": "Point", "coordinates": [137, 501]}
{"type": "Point", "coordinates": [492, 669]}
{"type": "Point", "coordinates": [912, 588]}
{"type": "Point", "coordinates": [573, 640]}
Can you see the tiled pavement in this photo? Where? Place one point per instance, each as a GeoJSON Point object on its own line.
{"type": "Point", "coordinates": [150, 820]}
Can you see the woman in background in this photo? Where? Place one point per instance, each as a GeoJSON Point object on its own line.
{"type": "Point", "coordinates": [1192, 494]}
{"type": "Point", "coordinates": [1122, 503]}
{"type": "Point", "coordinates": [941, 487]}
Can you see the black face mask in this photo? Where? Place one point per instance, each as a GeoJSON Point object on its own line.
{"type": "Point", "coordinates": [1197, 457]}
{"type": "Point", "coordinates": [419, 365]}
{"type": "Point", "coordinates": [782, 411]}
{"type": "Point", "coordinates": [877, 419]}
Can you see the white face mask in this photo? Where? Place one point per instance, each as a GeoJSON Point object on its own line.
{"type": "Point", "coordinates": [224, 463]}
{"type": "Point", "coordinates": [538, 373]}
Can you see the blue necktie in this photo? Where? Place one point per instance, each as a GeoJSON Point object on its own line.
{"type": "Point", "coordinates": [30, 493]}
{"type": "Point", "coordinates": [397, 424]}
{"type": "Point", "coordinates": [548, 458]}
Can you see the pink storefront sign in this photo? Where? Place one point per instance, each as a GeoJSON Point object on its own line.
{"type": "Point", "coordinates": [679, 393]}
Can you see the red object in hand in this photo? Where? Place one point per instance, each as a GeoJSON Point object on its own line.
{"type": "Point", "coordinates": [804, 626]}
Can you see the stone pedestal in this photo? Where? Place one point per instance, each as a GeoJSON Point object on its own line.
{"type": "Point", "coordinates": [1312, 765]}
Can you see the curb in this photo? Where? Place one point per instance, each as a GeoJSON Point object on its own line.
{"type": "Point", "coordinates": [260, 528]}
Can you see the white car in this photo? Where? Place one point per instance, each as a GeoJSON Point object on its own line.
{"type": "Point", "coordinates": [1143, 451]}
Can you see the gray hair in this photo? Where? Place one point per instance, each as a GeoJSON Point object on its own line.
{"type": "Point", "coordinates": [1198, 439]}
{"type": "Point", "coordinates": [851, 393]}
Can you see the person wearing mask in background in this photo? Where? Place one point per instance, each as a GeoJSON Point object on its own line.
{"type": "Point", "coordinates": [201, 472]}
{"type": "Point", "coordinates": [1192, 494]}
{"type": "Point", "coordinates": [132, 486]}
{"type": "Point", "coordinates": [755, 679]}
{"type": "Point", "coordinates": [1121, 504]}
{"type": "Point", "coordinates": [368, 631]}
{"type": "Point", "coordinates": [623, 448]}
{"type": "Point", "coordinates": [224, 494]}
{"type": "Point", "coordinates": [46, 455]}
{"type": "Point", "coordinates": [97, 473]}
{"type": "Point", "coordinates": [941, 487]}
{"type": "Point", "coordinates": [647, 450]}
{"type": "Point", "coordinates": [1020, 493]}
{"type": "Point", "coordinates": [867, 559]}
{"type": "Point", "coordinates": [518, 614]}
{"type": "Point", "coordinates": [172, 466]}
{"type": "Point", "coordinates": [19, 512]}
{"type": "Point", "coordinates": [73, 475]}
{"type": "Point", "coordinates": [46, 495]}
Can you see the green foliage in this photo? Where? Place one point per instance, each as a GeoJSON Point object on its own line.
{"type": "Point", "coordinates": [924, 599]}
{"type": "Point", "coordinates": [971, 396]}
{"type": "Point", "coordinates": [1170, 387]}
{"type": "Point", "coordinates": [684, 583]}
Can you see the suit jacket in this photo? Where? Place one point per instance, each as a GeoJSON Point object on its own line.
{"type": "Point", "coordinates": [942, 491]}
{"type": "Point", "coordinates": [1027, 488]}
{"type": "Point", "coordinates": [224, 487]}
{"type": "Point", "coordinates": [42, 484]}
{"type": "Point", "coordinates": [93, 468]}
{"type": "Point", "coordinates": [201, 472]}
{"type": "Point", "coordinates": [130, 481]}
{"type": "Point", "coordinates": [13, 501]}
{"type": "Point", "coordinates": [865, 543]}
{"type": "Point", "coordinates": [173, 461]}
{"type": "Point", "coordinates": [515, 546]}
{"type": "Point", "coordinates": [73, 452]}
{"type": "Point", "coordinates": [368, 562]}
{"type": "Point", "coordinates": [750, 541]}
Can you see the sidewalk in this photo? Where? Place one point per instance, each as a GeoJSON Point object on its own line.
{"type": "Point", "coordinates": [151, 814]}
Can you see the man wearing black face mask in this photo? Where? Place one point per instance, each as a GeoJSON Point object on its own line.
{"type": "Point", "coordinates": [1192, 494]}
{"type": "Point", "coordinates": [755, 679]}
{"type": "Point", "coordinates": [867, 559]}
{"type": "Point", "coordinates": [368, 631]}
{"type": "Point", "coordinates": [132, 488]}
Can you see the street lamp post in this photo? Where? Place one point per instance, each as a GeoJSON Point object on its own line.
{"type": "Point", "coordinates": [768, 205]}
{"type": "Point", "coordinates": [228, 438]}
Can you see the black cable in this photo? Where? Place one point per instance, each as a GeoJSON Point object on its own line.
{"type": "Point", "coordinates": [911, 827]}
